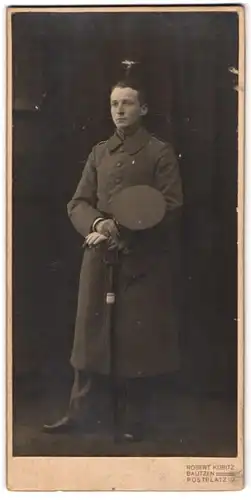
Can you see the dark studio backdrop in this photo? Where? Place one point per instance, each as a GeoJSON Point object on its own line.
{"type": "Point", "coordinates": [63, 68]}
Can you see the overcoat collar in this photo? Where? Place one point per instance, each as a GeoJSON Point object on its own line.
{"type": "Point", "coordinates": [132, 143]}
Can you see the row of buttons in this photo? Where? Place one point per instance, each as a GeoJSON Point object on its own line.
{"type": "Point", "coordinates": [119, 164]}
{"type": "Point", "coordinates": [118, 180]}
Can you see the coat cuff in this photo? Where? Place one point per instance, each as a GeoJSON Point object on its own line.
{"type": "Point", "coordinates": [95, 222]}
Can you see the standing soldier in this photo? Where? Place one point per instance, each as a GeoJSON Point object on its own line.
{"type": "Point", "coordinates": [146, 321]}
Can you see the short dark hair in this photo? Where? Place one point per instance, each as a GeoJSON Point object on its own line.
{"type": "Point", "coordinates": [122, 84]}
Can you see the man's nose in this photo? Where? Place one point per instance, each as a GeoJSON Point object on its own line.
{"type": "Point", "coordinates": [120, 109]}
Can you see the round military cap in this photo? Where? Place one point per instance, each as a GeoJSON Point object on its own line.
{"type": "Point", "coordinates": [138, 207]}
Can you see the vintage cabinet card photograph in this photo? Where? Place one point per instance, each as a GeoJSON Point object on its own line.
{"type": "Point", "coordinates": [125, 196]}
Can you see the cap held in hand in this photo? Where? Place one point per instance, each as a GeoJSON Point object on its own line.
{"type": "Point", "coordinates": [138, 207]}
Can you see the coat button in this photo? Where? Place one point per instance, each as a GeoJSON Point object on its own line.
{"type": "Point", "coordinates": [118, 180]}
{"type": "Point", "coordinates": [119, 164]}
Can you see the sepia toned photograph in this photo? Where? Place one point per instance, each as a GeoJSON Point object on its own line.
{"type": "Point", "coordinates": [125, 240]}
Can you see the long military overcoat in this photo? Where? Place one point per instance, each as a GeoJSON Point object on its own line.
{"type": "Point", "coordinates": [146, 322]}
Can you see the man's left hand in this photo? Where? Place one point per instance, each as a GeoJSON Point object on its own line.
{"type": "Point", "coordinates": [93, 239]}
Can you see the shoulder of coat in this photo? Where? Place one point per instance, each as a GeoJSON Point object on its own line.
{"type": "Point", "coordinates": [99, 150]}
{"type": "Point", "coordinates": [159, 143]}
{"type": "Point", "coordinates": [157, 138]}
{"type": "Point", "coordinates": [100, 144]}
{"type": "Point", "coordinates": [160, 147]}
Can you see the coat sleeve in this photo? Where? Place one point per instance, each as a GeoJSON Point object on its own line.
{"type": "Point", "coordinates": [167, 180]}
{"type": "Point", "coordinates": [82, 208]}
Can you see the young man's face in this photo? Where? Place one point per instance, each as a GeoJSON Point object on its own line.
{"type": "Point", "coordinates": [126, 109]}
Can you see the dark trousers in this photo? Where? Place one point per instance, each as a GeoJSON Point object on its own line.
{"type": "Point", "coordinates": [129, 395]}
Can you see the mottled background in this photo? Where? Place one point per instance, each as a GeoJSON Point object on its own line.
{"type": "Point", "coordinates": [63, 68]}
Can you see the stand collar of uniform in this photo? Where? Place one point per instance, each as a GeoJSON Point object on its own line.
{"type": "Point", "coordinates": [132, 143]}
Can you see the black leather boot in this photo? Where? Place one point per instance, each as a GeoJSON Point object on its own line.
{"type": "Point", "coordinates": [130, 424]}
{"type": "Point", "coordinates": [71, 422]}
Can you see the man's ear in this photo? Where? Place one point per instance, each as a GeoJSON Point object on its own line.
{"type": "Point", "coordinates": [144, 110]}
